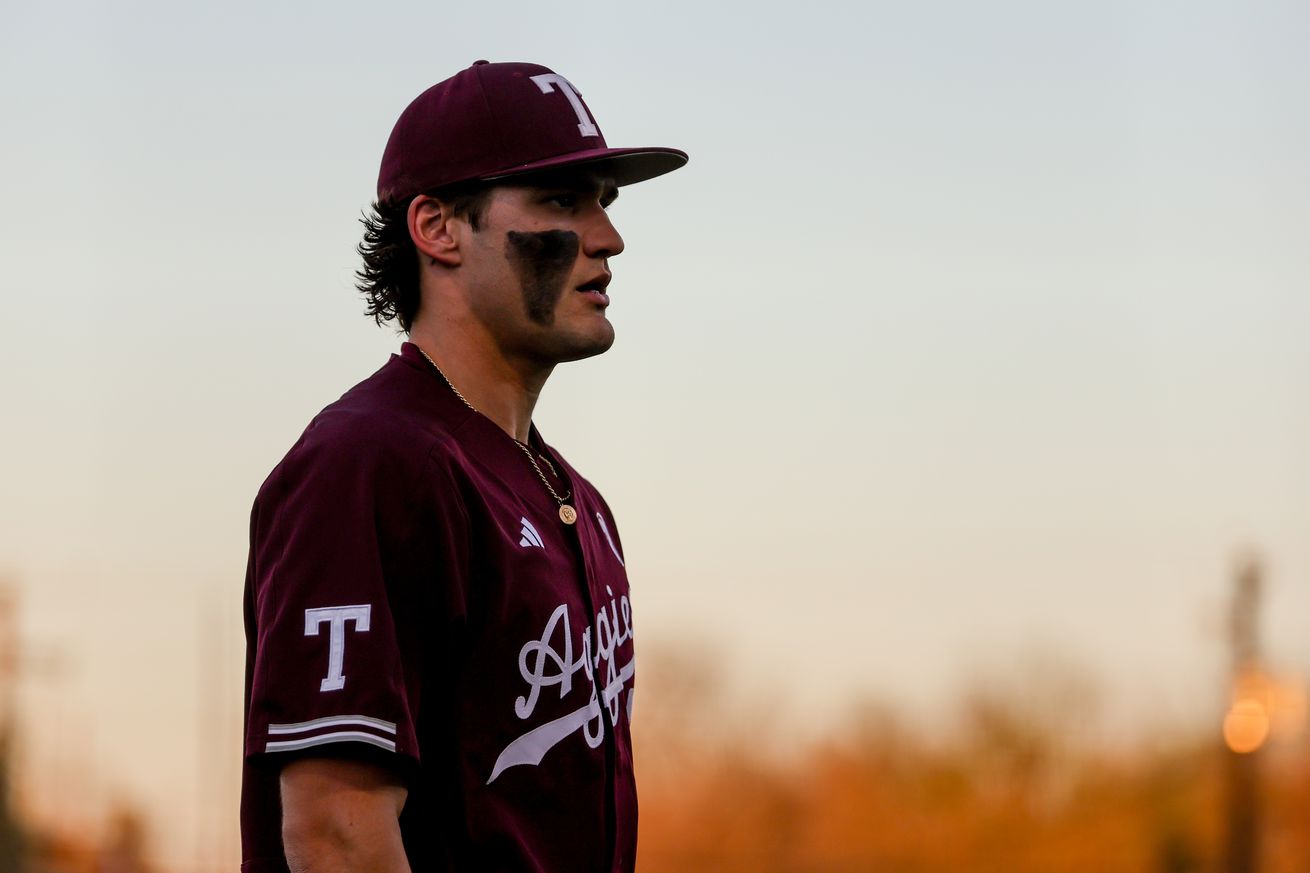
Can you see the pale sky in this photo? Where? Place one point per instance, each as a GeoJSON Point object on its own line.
{"type": "Point", "coordinates": [969, 329]}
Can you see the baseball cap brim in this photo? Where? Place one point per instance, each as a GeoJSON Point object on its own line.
{"type": "Point", "coordinates": [625, 166]}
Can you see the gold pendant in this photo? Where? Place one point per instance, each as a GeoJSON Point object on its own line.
{"type": "Point", "coordinates": [567, 514]}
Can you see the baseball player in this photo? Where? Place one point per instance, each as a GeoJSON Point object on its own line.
{"type": "Point", "coordinates": [439, 671]}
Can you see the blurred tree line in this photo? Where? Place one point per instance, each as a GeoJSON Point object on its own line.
{"type": "Point", "coordinates": [1016, 784]}
{"type": "Point", "coordinates": [24, 849]}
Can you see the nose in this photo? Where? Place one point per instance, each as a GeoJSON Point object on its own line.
{"type": "Point", "coordinates": [602, 239]}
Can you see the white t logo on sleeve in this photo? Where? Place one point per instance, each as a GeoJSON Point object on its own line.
{"type": "Point", "coordinates": [336, 616]}
{"type": "Point", "coordinates": [547, 82]}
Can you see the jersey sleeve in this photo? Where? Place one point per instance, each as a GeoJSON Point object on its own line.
{"type": "Point", "coordinates": [353, 577]}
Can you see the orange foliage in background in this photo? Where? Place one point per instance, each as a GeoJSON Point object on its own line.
{"type": "Point", "coordinates": [121, 850]}
{"type": "Point", "coordinates": [1014, 785]}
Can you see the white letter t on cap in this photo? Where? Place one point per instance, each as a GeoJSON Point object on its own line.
{"type": "Point", "coordinates": [547, 82]}
{"type": "Point", "coordinates": [337, 616]}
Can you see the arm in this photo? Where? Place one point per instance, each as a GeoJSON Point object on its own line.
{"type": "Point", "coordinates": [341, 816]}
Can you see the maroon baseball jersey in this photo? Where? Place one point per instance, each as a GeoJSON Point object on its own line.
{"type": "Point", "coordinates": [413, 598]}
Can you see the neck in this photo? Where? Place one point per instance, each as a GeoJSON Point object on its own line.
{"type": "Point", "coordinates": [502, 389]}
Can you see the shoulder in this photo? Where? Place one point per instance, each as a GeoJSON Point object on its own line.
{"type": "Point", "coordinates": [389, 428]}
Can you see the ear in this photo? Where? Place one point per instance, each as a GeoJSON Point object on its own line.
{"type": "Point", "coordinates": [431, 227]}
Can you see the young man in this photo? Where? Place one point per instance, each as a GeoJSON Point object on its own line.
{"type": "Point", "coordinates": [440, 661]}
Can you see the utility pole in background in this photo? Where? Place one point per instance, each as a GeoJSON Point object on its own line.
{"type": "Point", "coordinates": [1242, 772]}
{"type": "Point", "coordinates": [19, 661]}
{"type": "Point", "coordinates": [11, 833]}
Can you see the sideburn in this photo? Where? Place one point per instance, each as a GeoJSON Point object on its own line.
{"type": "Point", "coordinates": [543, 260]}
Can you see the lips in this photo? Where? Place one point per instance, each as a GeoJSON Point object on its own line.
{"type": "Point", "coordinates": [599, 282]}
{"type": "Point", "coordinates": [594, 288]}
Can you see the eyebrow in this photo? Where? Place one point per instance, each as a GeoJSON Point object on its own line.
{"type": "Point", "coordinates": [604, 187]}
{"type": "Point", "coordinates": [609, 192]}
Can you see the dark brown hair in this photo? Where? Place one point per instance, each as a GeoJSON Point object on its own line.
{"type": "Point", "coordinates": [389, 277]}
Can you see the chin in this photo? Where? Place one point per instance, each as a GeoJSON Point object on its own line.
{"type": "Point", "coordinates": [575, 348]}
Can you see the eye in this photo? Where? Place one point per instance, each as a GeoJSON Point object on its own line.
{"type": "Point", "coordinates": [564, 201]}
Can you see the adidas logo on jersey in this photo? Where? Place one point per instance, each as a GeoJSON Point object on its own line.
{"type": "Point", "coordinates": [529, 536]}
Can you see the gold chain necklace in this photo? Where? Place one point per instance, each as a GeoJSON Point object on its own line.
{"type": "Point", "coordinates": [567, 513]}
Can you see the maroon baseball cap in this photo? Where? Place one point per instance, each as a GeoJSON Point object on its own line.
{"type": "Point", "coordinates": [494, 121]}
